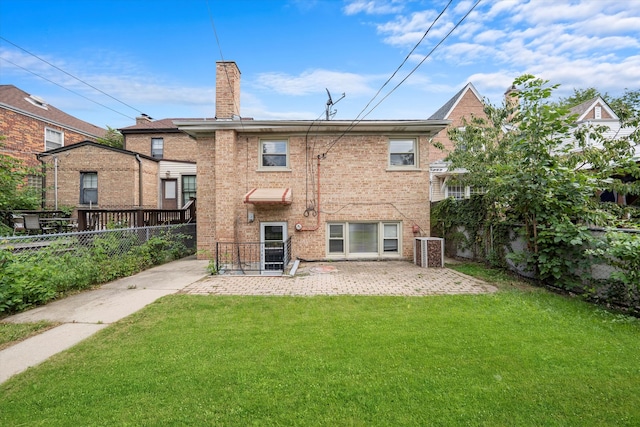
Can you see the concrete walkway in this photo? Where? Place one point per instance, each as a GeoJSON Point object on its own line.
{"type": "Point", "coordinates": [84, 314]}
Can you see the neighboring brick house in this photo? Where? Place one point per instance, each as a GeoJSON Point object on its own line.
{"type": "Point", "coordinates": [339, 189]}
{"type": "Point", "coordinates": [176, 151]}
{"type": "Point", "coordinates": [91, 175]}
{"type": "Point", "coordinates": [465, 104]}
{"type": "Point", "coordinates": [32, 126]}
{"type": "Point", "coordinates": [156, 169]}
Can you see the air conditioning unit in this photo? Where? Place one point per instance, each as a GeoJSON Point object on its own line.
{"type": "Point", "coordinates": [428, 251]}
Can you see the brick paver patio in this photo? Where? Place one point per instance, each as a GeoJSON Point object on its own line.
{"type": "Point", "coordinates": [347, 278]}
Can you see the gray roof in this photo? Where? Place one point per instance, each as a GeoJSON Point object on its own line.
{"type": "Point", "coordinates": [443, 111]}
{"type": "Point", "coordinates": [16, 100]}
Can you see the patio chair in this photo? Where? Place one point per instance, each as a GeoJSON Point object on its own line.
{"type": "Point", "coordinates": [18, 224]}
{"type": "Point", "coordinates": [32, 225]}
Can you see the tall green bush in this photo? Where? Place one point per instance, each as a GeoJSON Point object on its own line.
{"type": "Point", "coordinates": [524, 156]}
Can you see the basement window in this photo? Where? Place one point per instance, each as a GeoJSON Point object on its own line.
{"type": "Point", "coordinates": [363, 239]}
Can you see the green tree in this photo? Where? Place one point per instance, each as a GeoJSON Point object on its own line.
{"type": "Point", "coordinates": [578, 97]}
{"type": "Point", "coordinates": [539, 170]}
{"type": "Point", "coordinates": [14, 191]}
{"type": "Point", "coordinates": [113, 138]}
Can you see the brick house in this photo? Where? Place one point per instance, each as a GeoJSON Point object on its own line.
{"type": "Point", "coordinates": [465, 104]}
{"type": "Point", "coordinates": [88, 174]}
{"type": "Point", "coordinates": [176, 153]}
{"type": "Point", "coordinates": [32, 126]}
{"type": "Point", "coordinates": [155, 169]}
{"type": "Point", "coordinates": [338, 189]}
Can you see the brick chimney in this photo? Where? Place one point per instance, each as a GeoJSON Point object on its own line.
{"type": "Point", "coordinates": [512, 100]}
{"type": "Point", "coordinates": [511, 96]}
{"type": "Point", "coordinates": [143, 119]}
{"type": "Point", "coordinates": [227, 90]}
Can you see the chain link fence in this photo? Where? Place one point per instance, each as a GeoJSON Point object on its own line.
{"type": "Point", "coordinates": [116, 242]}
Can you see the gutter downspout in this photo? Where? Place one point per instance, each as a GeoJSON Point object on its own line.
{"type": "Point", "coordinates": [55, 181]}
{"type": "Point", "coordinates": [140, 192]}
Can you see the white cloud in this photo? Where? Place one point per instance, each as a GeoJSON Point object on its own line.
{"type": "Point", "coordinates": [373, 7]}
{"type": "Point", "coordinates": [315, 81]}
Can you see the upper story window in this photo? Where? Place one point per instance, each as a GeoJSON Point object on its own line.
{"type": "Point", "coordinates": [597, 112]}
{"type": "Point", "coordinates": [274, 154]}
{"type": "Point", "coordinates": [53, 139]}
{"type": "Point", "coordinates": [157, 148]}
{"type": "Point", "coordinates": [403, 153]}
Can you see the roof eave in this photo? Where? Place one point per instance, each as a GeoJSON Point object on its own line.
{"type": "Point", "coordinates": [208, 127]}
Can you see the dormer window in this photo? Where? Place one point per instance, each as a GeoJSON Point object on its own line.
{"type": "Point", "coordinates": [37, 101]}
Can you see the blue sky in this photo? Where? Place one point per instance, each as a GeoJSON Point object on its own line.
{"type": "Point", "coordinates": [159, 56]}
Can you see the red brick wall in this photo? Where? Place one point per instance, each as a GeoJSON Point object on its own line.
{"type": "Point", "coordinates": [468, 106]}
{"type": "Point", "coordinates": [25, 136]}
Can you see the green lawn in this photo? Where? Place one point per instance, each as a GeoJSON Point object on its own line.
{"type": "Point", "coordinates": [10, 333]}
{"type": "Point", "coordinates": [513, 358]}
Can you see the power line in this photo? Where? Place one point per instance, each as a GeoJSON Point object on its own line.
{"type": "Point", "coordinates": [213, 26]}
{"type": "Point", "coordinates": [405, 59]}
{"type": "Point", "coordinates": [356, 121]}
{"type": "Point", "coordinates": [425, 58]}
{"type": "Point", "coordinates": [70, 75]}
{"type": "Point", "coordinates": [65, 88]}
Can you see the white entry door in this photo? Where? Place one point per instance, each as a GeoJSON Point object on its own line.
{"type": "Point", "coordinates": [273, 236]}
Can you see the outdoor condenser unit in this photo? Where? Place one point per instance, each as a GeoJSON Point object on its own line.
{"type": "Point", "coordinates": [428, 251]}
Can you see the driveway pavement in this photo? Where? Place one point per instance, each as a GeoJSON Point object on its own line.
{"type": "Point", "coordinates": [86, 313]}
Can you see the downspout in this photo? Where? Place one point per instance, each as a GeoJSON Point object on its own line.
{"type": "Point", "coordinates": [299, 226]}
{"type": "Point", "coordinates": [43, 180]}
{"type": "Point", "coordinates": [140, 193]}
{"type": "Point", "coordinates": [55, 181]}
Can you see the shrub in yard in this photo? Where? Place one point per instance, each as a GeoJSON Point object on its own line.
{"type": "Point", "coordinates": [32, 278]}
{"type": "Point", "coordinates": [621, 251]}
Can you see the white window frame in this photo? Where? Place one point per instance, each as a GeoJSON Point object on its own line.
{"type": "Point", "coordinates": [48, 141]}
{"type": "Point", "coordinates": [392, 152]}
{"type": "Point", "coordinates": [382, 226]}
{"type": "Point", "coordinates": [456, 191]}
{"type": "Point", "coordinates": [155, 156]}
{"type": "Point", "coordinates": [466, 192]}
{"type": "Point", "coordinates": [597, 113]}
{"type": "Point", "coordinates": [261, 155]}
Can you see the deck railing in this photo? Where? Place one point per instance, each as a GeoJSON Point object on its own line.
{"type": "Point", "coordinates": [252, 257]}
{"type": "Point", "coordinates": [99, 219]}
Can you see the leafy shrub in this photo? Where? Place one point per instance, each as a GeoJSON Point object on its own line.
{"type": "Point", "coordinates": [32, 278]}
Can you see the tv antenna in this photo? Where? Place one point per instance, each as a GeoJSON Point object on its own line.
{"type": "Point", "coordinates": [330, 104]}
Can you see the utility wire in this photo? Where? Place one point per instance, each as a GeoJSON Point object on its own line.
{"type": "Point", "coordinates": [355, 122]}
{"type": "Point", "coordinates": [425, 58]}
{"type": "Point", "coordinates": [65, 88]}
{"type": "Point", "coordinates": [213, 25]}
{"type": "Point", "coordinates": [405, 59]}
{"type": "Point", "coordinates": [70, 75]}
